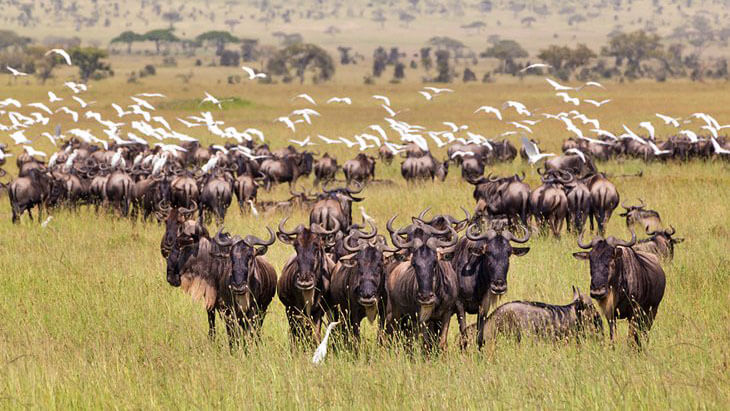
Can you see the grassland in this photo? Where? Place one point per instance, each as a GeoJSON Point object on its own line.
{"type": "Point", "coordinates": [88, 320]}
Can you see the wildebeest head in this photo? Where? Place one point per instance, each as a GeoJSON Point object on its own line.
{"type": "Point", "coordinates": [309, 244]}
{"type": "Point", "coordinates": [367, 254]}
{"type": "Point", "coordinates": [425, 245]}
{"type": "Point", "coordinates": [604, 261]}
{"type": "Point", "coordinates": [441, 221]}
{"type": "Point", "coordinates": [492, 250]}
{"type": "Point", "coordinates": [586, 312]}
{"type": "Point", "coordinates": [243, 253]}
{"type": "Point", "coordinates": [173, 225]}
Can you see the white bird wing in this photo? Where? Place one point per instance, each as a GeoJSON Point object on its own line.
{"type": "Point", "coordinates": [384, 99]}
{"type": "Point", "coordinates": [251, 73]}
{"type": "Point", "coordinates": [62, 53]}
{"type": "Point", "coordinates": [426, 95]}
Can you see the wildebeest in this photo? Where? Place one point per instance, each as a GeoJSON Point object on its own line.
{"type": "Point", "coordinates": [579, 201]}
{"type": "Point", "coordinates": [549, 205]}
{"type": "Point", "coordinates": [626, 283]}
{"type": "Point", "coordinates": [422, 292]}
{"type": "Point", "coordinates": [247, 285]}
{"type": "Point", "coordinates": [572, 163]}
{"type": "Point", "coordinates": [334, 206]}
{"type": "Point", "coordinates": [660, 243]}
{"type": "Point", "coordinates": [472, 168]}
{"type": "Point", "coordinates": [216, 195]}
{"type": "Point", "coordinates": [325, 169]}
{"type": "Point", "coordinates": [176, 216]}
{"type": "Point", "coordinates": [648, 220]}
{"type": "Point", "coordinates": [604, 199]}
{"type": "Point", "coordinates": [503, 196]}
{"type": "Point", "coordinates": [305, 279]}
{"type": "Point", "coordinates": [245, 189]}
{"type": "Point", "coordinates": [423, 167]}
{"type": "Point", "coordinates": [183, 190]}
{"type": "Point", "coordinates": [357, 288]}
{"type": "Point", "coordinates": [481, 262]}
{"type": "Point", "coordinates": [385, 154]}
{"type": "Point", "coordinates": [519, 319]}
{"type": "Point", "coordinates": [27, 192]}
{"type": "Point", "coordinates": [359, 169]}
{"type": "Point", "coordinates": [120, 190]}
{"type": "Point", "coordinates": [287, 168]}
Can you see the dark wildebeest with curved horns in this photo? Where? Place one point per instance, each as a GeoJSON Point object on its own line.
{"type": "Point", "coordinates": [660, 243]}
{"type": "Point", "coordinates": [627, 284]}
{"type": "Point", "coordinates": [649, 220]}
{"type": "Point", "coordinates": [305, 279]}
{"type": "Point", "coordinates": [248, 283]}
{"type": "Point", "coordinates": [503, 196]}
{"type": "Point", "coordinates": [481, 262]}
{"type": "Point", "coordinates": [357, 288]}
{"type": "Point", "coordinates": [422, 291]}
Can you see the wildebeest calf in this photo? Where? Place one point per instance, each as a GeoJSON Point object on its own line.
{"type": "Point", "coordinates": [520, 318]}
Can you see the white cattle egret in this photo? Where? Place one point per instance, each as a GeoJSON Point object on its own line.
{"type": "Point", "coordinates": [534, 66]}
{"type": "Point", "coordinates": [345, 100]}
{"type": "Point", "coordinates": [436, 90]}
{"type": "Point", "coordinates": [557, 86]}
{"type": "Point", "coordinates": [305, 96]}
{"type": "Point", "coordinates": [321, 351]}
{"type": "Point", "coordinates": [252, 74]}
{"type": "Point", "coordinates": [490, 109]}
{"type": "Point", "coordinates": [597, 103]}
{"type": "Point", "coordinates": [15, 72]}
{"type": "Point", "coordinates": [61, 52]}
{"type": "Point", "coordinates": [533, 152]}
{"type": "Point", "coordinates": [384, 99]}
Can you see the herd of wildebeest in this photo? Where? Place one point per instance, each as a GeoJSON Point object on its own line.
{"type": "Point", "coordinates": [433, 267]}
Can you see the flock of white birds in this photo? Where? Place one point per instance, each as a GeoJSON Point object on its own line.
{"type": "Point", "coordinates": [138, 121]}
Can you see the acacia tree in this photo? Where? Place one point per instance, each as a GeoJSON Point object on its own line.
{"type": "Point", "coordinates": [89, 61]}
{"type": "Point", "coordinates": [128, 37]}
{"type": "Point", "coordinates": [634, 48]}
{"type": "Point", "coordinates": [160, 36]}
{"type": "Point", "coordinates": [302, 58]}
{"type": "Point", "coordinates": [506, 51]}
{"type": "Point", "coordinates": [219, 38]}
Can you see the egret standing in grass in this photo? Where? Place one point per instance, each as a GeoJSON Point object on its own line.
{"type": "Point", "coordinates": [321, 351]}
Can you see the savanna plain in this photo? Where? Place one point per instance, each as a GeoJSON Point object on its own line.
{"type": "Point", "coordinates": [87, 319]}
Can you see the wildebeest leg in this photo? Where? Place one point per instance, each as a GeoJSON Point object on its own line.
{"type": "Point", "coordinates": [231, 329]}
{"type": "Point", "coordinates": [443, 337]}
{"type": "Point", "coordinates": [480, 329]}
{"type": "Point", "coordinates": [461, 317]}
{"type": "Point", "coordinates": [30, 213]}
{"type": "Point", "coordinates": [211, 324]}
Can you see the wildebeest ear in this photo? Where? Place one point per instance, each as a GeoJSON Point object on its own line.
{"type": "Point", "coordinates": [520, 251]}
{"type": "Point", "coordinates": [582, 255]}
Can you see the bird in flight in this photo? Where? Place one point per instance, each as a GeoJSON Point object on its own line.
{"type": "Point", "coordinates": [533, 152]}
{"type": "Point", "coordinates": [490, 109]}
{"type": "Point", "coordinates": [252, 75]}
{"type": "Point", "coordinates": [61, 52]}
{"type": "Point", "coordinates": [345, 100]}
{"type": "Point", "coordinates": [305, 96]}
{"type": "Point", "coordinates": [557, 86]}
{"type": "Point", "coordinates": [597, 103]}
{"type": "Point", "coordinates": [15, 72]}
{"type": "Point", "coordinates": [534, 66]}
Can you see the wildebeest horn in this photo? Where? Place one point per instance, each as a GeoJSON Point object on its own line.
{"type": "Point", "coordinates": [668, 233]}
{"type": "Point", "coordinates": [615, 242]}
{"type": "Point", "coordinates": [190, 210]}
{"type": "Point", "coordinates": [509, 236]}
{"type": "Point", "coordinates": [423, 213]}
{"type": "Point", "coordinates": [253, 241]}
{"type": "Point", "coordinates": [395, 234]}
{"type": "Point", "coordinates": [223, 240]}
{"type": "Point", "coordinates": [370, 235]}
{"type": "Point", "coordinates": [283, 231]}
{"type": "Point", "coordinates": [623, 204]}
{"type": "Point", "coordinates": [360, 244]}
{"type": "Point", "coordinates": [584, 246]}
{"type": "Point", "coordinates": [163, 208]}
{"type": "Point", "coordinates": [435, 243]}
{"type": "Point", "coordinates": [643, 204]}
{"type": "Point", "coordinates": [493, 179]}
{"type": "Point", "coordinates": [488, 235]}
{"type": "Point", "coordinates": [539, 172]}
{"type": "Point", "coordinates": [565, 176]}
{"type": "Point", "coordinates": [318, 229]}
{"type": "Point", "coordinates": [359, 188]}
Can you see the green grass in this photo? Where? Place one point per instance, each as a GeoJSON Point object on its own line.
{"type": "Point", "coordinates": [88, 320]}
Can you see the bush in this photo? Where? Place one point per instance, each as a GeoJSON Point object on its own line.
{"type": "Point", "coordinates": [230, 58]}
{"type": "Point", "coordinates": [169, 61]}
